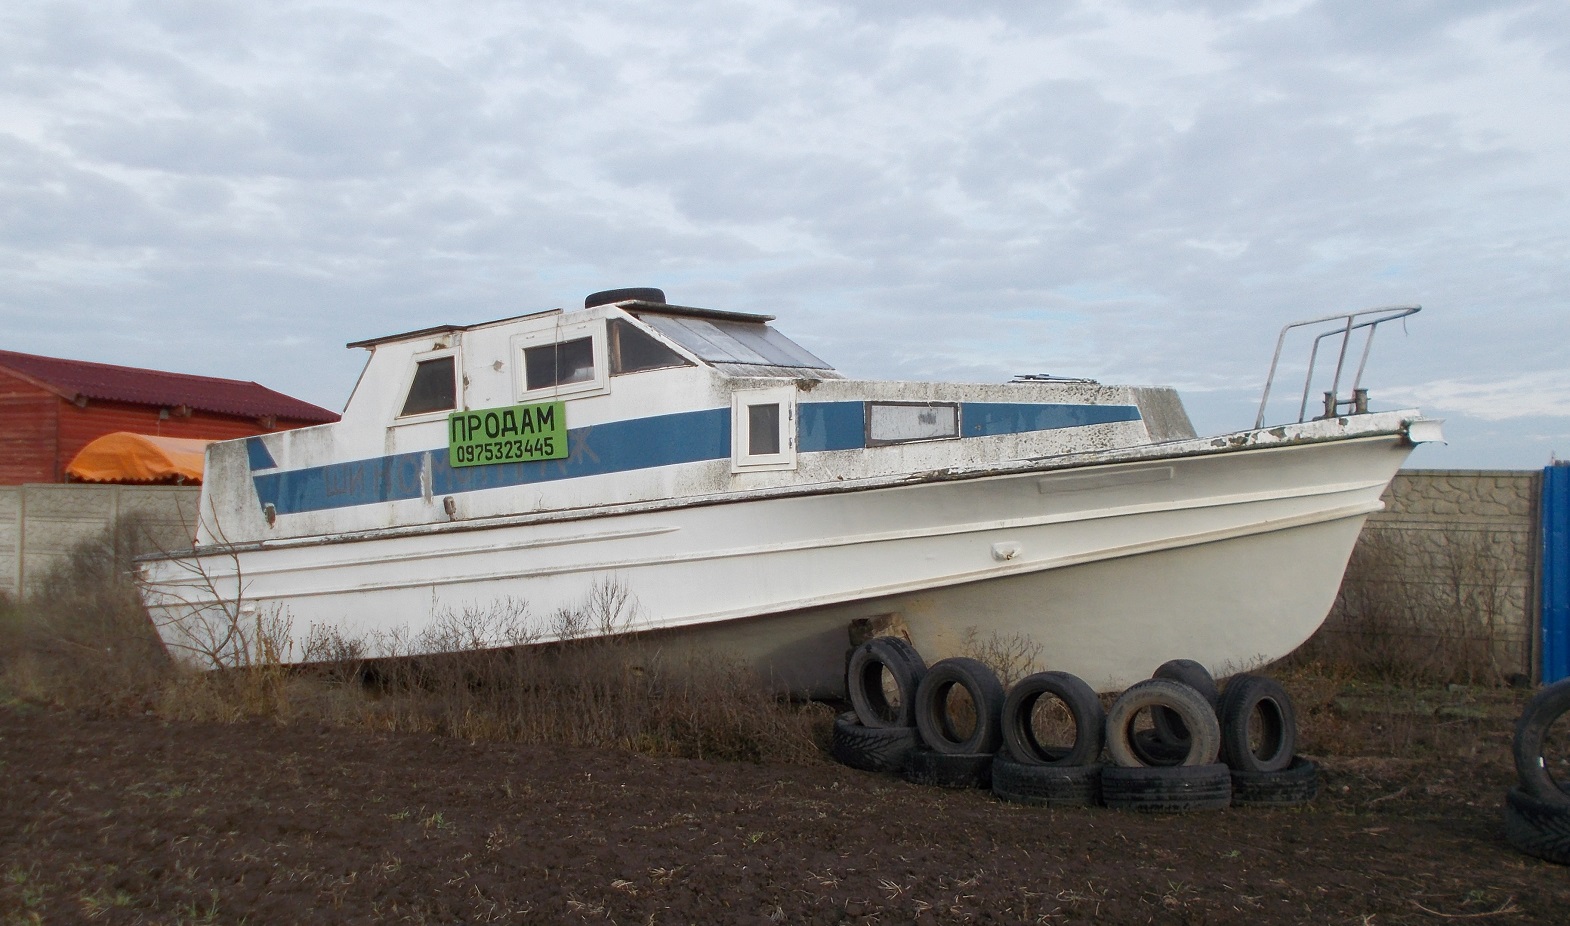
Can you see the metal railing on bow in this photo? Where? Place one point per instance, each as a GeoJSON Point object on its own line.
{"type": "Point", "coordinates": [1342, 325]}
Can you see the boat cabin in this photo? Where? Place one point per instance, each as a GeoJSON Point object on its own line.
{"type": "Point", "coordinates": [632, 400]}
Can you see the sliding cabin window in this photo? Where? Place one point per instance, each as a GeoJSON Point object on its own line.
{"type": "Point", "coordinates": [562, 361]}
{"type": "Point", "coordinates": [909, 422]}
{"type": "Point", "coordinates": [763, 429]}
{"type": "Point", "coordinates": [634, 350]}
{"type": "Point", "coordinates": [433, 388]}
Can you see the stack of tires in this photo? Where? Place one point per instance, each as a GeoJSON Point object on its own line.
{"type": "Point", "coordinates": [1204, 749]}
{"type": "Point", "coordinates": [1174, 743]}
{"type": "Point", "coordinates": [1537, 810]}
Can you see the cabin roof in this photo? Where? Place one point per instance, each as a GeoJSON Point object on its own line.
{"type": "Point", "coordinates": [636, 307]}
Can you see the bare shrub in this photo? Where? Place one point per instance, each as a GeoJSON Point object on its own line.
{"type": "Point", "coordinates": [482, 673]}
{"type": "Point", "coordinates": [80, 637]}
{"type": "Point", "coordinates": [1422, 607]}
{"type": "Point", "coordinates": [1011, 657]}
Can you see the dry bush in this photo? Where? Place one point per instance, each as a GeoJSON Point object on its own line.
{"type": "Point", "coordinates": [80, 637]}
{"type": "Point", "coordinates": [83, 640]}
{"type": "Point", "coordinates": [1011, 657]}
{"type": "Point", "coordinates": [1422, 608]}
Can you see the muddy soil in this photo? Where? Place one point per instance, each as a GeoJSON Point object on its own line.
{"type": "Point", "coordinates": [110, 820]}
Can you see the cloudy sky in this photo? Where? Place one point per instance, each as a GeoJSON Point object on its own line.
{"type": "Point", "coordinates": [1135, 192]}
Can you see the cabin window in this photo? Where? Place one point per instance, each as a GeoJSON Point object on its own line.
{"type": "Point", "coordinates": [562, 360]}
{"type": "Point", "coordinates": [906, 422]}
{"type": "Point", "coordinates": [634, 350]}
{"type": "Point", "coordinates": [763, 427]}
{"type": "Point", "coordinates": [558, 364]}
{"type": "Point", "coordinates": [433, 389]}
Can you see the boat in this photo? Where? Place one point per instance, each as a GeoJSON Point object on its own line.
{"type": "Point", "coordinates": [696, 476]}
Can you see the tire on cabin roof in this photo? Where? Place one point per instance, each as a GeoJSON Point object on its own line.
{"type": "Point", "coordinates": [939, 732]}
{"type": "Point", "coordinates": [871, 749]}
{"type": "Point", "coordinates": [1046, 785]}
{"type": "Point", "coordinates": [1084, 709]}
{"type": "Point", "coordinates": [1531, 733]}
{"type": "Point", "coordinates": [1176, 789]}
{"type": "Point", "coordinates": [1249, 698]}
{"type": "Point", "coordinates": [1537, 827]}
{"type": "Point", "coordinates": [608, 296]}
{"type": "Point", "coordinates": [1298, 783]}
{"type": "Point", "coordinates": [1204, 742]}
{"type": "Point", "coordinates": [949, 770]}
{"type": "Point", "coordinates": [864, 681]}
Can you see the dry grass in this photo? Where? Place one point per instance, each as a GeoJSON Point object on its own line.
{"type": "Point", "coordinates": [82, 640]}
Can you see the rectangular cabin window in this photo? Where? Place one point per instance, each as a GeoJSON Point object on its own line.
{"type": "Point", "coordinates": [558, 364]}
{"type": "Point", "coordinates": [763, 429]}
{"type": "Point", "coordinates": [433, 389]}
{"type": "Point", "coordinates": [905, 422]}
{"type": "Point", "coordinates": [634, 350]}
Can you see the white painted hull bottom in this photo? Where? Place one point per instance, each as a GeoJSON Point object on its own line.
{"type": "Point", "coordinates": [1226, 551]}
{"type": "Point", "coordinates": [1232, 604]}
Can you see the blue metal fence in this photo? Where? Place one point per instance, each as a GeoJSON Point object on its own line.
{"type": "Point", "coordinates": [1556, 573]}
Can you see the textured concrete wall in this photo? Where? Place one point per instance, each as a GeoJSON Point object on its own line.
{"type": "Point", "coordinates": [40, 524]}
{"type": "Point", "coordinates": [1452, 560]}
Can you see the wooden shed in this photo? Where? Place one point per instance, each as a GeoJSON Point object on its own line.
{"type": "Point", "coordinates": [51, 408]}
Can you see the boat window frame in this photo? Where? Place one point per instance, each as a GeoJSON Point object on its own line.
{"type": "Point", "coordinates": [742, 402]}
{"type": "Point", "coordinates": [598, 384]}
{"type": "Point", "coordinates": [872, 404]}
{"type": "Point", "coordinates": [418, 357]}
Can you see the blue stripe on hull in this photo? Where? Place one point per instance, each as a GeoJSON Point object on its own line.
{"type": "Point", "coordinates": [626, 446]}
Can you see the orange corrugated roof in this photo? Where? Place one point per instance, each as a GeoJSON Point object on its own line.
{"type": "Point", "coordinates": [126, 457]}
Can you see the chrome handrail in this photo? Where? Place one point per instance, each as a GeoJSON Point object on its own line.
{"type": "Point", "coordinates": [1347, 322]}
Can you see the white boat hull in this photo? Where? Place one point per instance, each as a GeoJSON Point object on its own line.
{"type": "Point", "coordinates": [1229, 551]}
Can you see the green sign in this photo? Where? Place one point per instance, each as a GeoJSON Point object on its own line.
{"type": "Point", "coordinates": [515, 434]}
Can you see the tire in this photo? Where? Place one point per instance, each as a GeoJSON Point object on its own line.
{"type": "Point", "coordinates": [1090, 719]}
{"type": "Point", "coordinates": [871, 749]}
{"type": "Point", "coordinates": [1204, 742]}
{"type": "Point", "coordinates": [1169, 726]}
{"type": "Point", "coordinates": [1530, 733]}
{"type": "Point", "coordinates": [1156, 750]}
{"type": "Point", "coordinates": [986, 693]}
{"type": "Point", "coordinates": [1537, 827]}
{"type": "Point", "coordinates": [948, 770]}
{"type": "Point", "coordinates": [1178, 789]}
{"type": "Point", "coordinates": [1247, 697]}
{"type": "Point", "coordinates": [1046, 785]}
{"type": "Point", "coordinates": [605, 297]}
{"type": "Point", "coordinates": [1298, 783]}
{"type": "Point", "coordinates": [1191, 674]}
{"type": "Point", "coordinates": [864, 681]}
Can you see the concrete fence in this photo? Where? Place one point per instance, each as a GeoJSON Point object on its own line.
{"type": "Point", "coordinates": [40, 524]}
{"type": "Point", "coordinates": [1452, 565]}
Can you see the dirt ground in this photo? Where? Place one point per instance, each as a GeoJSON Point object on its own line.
{"type": "Point", "coordinates": [112, 820]}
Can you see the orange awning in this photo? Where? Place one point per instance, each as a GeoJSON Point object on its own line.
{"type": "Point", "coordinates": [126, 457]}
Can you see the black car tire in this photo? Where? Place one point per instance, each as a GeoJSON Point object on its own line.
{"type": "Point", "coordinates": [1248, 697]}
{"type": "Point", "coordinates": [937, 729]}
{"type": "Point", "coordinates": [1046, 785]}
{"type": "Point", "coordinates": [864, 681]}
{"type": "Point", "coordinates": [871, 749]}
{"type": "Point", "coordinates": [1177, 789]}
{"type": "Point", "coordinates": [1090, 720]}
{"type": "Point", "coordinates": [1204, 742]}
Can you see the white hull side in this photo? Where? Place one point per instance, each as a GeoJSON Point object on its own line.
{"type": "Point", "coordinates": [1225, 557]}
{"type": "Point", "coordinates": [1232, 605]}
